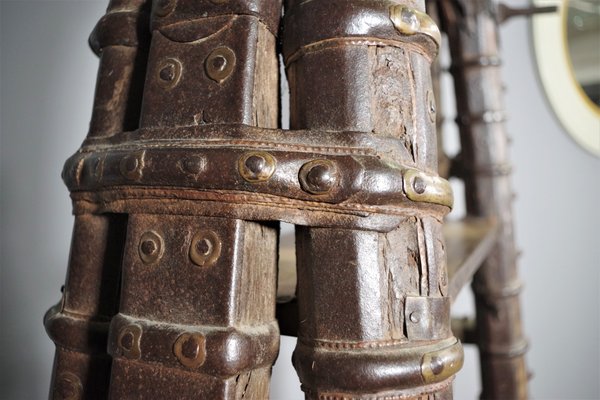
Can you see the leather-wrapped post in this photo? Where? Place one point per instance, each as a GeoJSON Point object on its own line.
{"type": "Point", "coordinates": [79, 323]}
{"type": "Point", "coordinates": [121, 40]}
{"type": "Point", "coordinates": [366, 298]}
{"type": "Point", "coordinates": [486, 171]}
{"type": "Point", "coordinates": [197, 309]}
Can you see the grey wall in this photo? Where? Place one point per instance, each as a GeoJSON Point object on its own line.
{"type": "Point", "coordinates": [47, 82]}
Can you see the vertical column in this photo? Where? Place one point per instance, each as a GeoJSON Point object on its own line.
{"type": "Point", "coordinates": [121, 40]}
{"type": "Point", "coordinates": [197, 311]}
{"type": "Point", "coordinates": [374, 316]}
{"type": "Point", "coordinates": [486, 171]}
{"type": "Point", "coordinates": [79, 323]}
{"type": "Point", "coordinates": [196, 318]}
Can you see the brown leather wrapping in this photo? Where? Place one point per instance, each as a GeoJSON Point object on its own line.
{"type": "Point", "coordinates": [333, 22]}
{"type": "Point", "coordinates": [121, 39]}
{"type": "Point", "coordinates": [169, 12]}
{"type": "Point", "coordinates": [202, 180]}
{"type": "Point", "coordinates": [486, 172]}
{"type": "Point", "coordinates": [356, 72]}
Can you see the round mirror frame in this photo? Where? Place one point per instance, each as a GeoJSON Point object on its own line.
{"type": "Point", "coordinates": [576, 112]}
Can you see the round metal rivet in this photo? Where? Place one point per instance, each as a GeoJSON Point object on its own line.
{"type": "Point", "coordinates": [190, 350]}
{"type": "Point", "coordinates": [68, 387]}
{"type": "Point", "coordinates": [129, 341]}
{"type": "Point", "coordinates": [205, 248]}
{"type": "Point", "coordinates": [151, 247]}
{"type": "Point", "coordinates": [318, 176]}
{"type": "Point", "coordinates": [437, 365]}
{"type": "Point", "coordinates": [126, 341]}
{"type": "Point", "coordinates": [169, 72]}
{"type": "Point", "coordinates": [431, 106]}
{"type": "Point", "coordinates": [220, 64]}
{"type": "Point", "coordinates": [419, 185]}
{"type": "Point", "coordinates": [409, 20]}
{"type": "Point", "coordinates": [162, 8]}
{"type": "Point", "coordinates": [131, 166]}
{"type": "Point", "coordinates": [414, 318]}
{"type": "Point", "coordinates": [256, 166]}
{"type": "Point", "coordinates": [193, 165]}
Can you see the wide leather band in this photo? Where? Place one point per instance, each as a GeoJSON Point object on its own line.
{"type": "Point", "coordinates": [120, 28]}
{"type": "Point", "coordinates": [367, 21]}
{"type": "Point", "coordinates": [337, 172]}
{"type": "Point", "coordinates": [169, 12]}
{"type": "Point", "coordinates": [216, 351]}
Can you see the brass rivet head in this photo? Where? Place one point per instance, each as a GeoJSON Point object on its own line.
{"type": "Point", "coordinates": [419, 185]}
{"type": "Point", "coordinates": [190, 350]}
{"type": "Point", "coordinates": [162, 8]}
{"type": "Point", "coordinates": [409, 22]}
{"type": "Point", "coordinates": [169, 72]}
{"type": "Point", "coordinates": [256, 166]}
{"type": "Point", "coordinates": [431, 106]}
{"type": "Point", "coordinates": [414, 318]}
{"type": "Point", "coordinates": [129, 341]}
{"type": "Point", "coordinates": [318, 176]}
{"type": "Point", "coordinates": [220, 64]}
{"type": "Point", "coordinates": [442, 364]}
{"type": "Point", "coordinates": [205, 248]}
{"type": "Point", "coordinates": [437, 365]}
{"type": "Point", "coordinates": [132, 166]}
{"type": "Point", "coordinates": [422, 187]}
{"type": "Point", "coordinates": [68, 387]}
{"type": "Point", "coordinates": [151, 247]}
{"type": "Point", "coordinates": [193, 165]}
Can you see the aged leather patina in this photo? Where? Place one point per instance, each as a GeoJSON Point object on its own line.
{"type": "Point", "coordinates": [181, 183]}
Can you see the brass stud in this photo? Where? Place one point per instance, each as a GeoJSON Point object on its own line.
{"type": "Point", "coordinates": [132, 166]}
{"type": "Point", "coordinates": [431, 109]}
{"type": "Point", "coordinates": [129, 341]}
{"type": "Point", "coordinates": [205, 248]}
{"type": "Point", "coordinates": [422, 187]}
{"type": "Point", "coordinates": [68, 387]}
{"type": "Point", "coordinates": [169, 72]}
{"type": "Point", "coordinates": [256, 166]}
{"type": "Point", "coordinates": [415, 317]}
{"type": "Point", "coordinates": [193, 165]}
{"type": "Point", "coordinates": [437, 365]}
{"type": "Point", "coordinates": [409, 22]}
{"type": "Point", "coordinates": [162, 8]}
{"type": "Point", "coordinates": [220, 64]}
{"type": "Point", "coordinates": [318, 176]}
{"type": "Point", "coordinates": [419, 185]}
{"type": "Point", "coordinates": [151, 247]}
{"type": "Point", "coordinates": [441, 364]}
{"type": "Point", "coordinates": [190, 349]}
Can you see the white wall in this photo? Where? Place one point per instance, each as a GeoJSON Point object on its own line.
{"type": "Point", "coordinates": [47, 82]}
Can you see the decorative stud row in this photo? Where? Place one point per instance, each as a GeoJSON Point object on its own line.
{"type": "Point", "coordinates": [218, 65]}
{"type": "Point", "coordinates": [194, 348]}
{"type": "Point", "coordinates": [204, 251]}
{"type": "Point", "coordinates": [364, 180]}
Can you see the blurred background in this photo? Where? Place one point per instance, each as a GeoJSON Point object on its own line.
{"type": "Point", "coordinates": [47, 85]}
